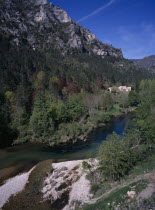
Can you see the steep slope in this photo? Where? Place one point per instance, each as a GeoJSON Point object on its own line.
{"type": "Point", "coordinates": [147, 62]}
{"type": "Point", "coordinates": [37, 36]}
{"type": "Point", "coordinates": [39, 24]}
{"type": "Point", "coordinates": [45, 58]}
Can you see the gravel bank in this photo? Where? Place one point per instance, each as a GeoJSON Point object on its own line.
{"type": "Point", "coordinates": [13, 186]}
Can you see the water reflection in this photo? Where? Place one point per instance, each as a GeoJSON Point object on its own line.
{"type": "Point", "coordinates": [26, 156]}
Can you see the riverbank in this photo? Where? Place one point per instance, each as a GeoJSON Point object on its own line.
{"type": "Point", "coordinates": [50, 185]}
{"type": "Point", "coordinates": [13, 186]}
{"type": "Point", "coordinates": [21, 158]}
{"type": "Point", "coordinates": [77, 133]}
{"type": "Point", "coordinates": [30, 197]}
{"type": "Point", "coordinates": [65, 186]}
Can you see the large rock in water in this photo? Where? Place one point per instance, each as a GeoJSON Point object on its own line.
{"type": "Point", "coordinates": [40, 24]}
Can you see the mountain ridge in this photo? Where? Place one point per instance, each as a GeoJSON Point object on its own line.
{"type": "Point", "coordinates": [46, 59]}
{"type": "Point", "coordinates": [147, 62]}
{"type": "Point", "coordinates": [40, 24]}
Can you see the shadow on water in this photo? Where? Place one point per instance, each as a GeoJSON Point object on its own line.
{"type": "Point", "coordinates": [24, 157]}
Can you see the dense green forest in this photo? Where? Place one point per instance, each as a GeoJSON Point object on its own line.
{"type": "Point", "coordinates": [119, 158]}
{"type": "Point", "coordinates": [123, 162]}
{"type": "Point", "coordinates": [59, 84]}
{"type": "Point", "coordinates": [45, 95]}
{"type": "Point", "coordinates": [138, 141]}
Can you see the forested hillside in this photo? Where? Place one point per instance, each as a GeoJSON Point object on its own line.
{"type": "Point", "coordinates": [146, 62]}
{"type": "Point", "coordinates": [126, 159]}
{"type": "Point", "coordinates": [119, 175]}
{"type": "Point", "coordinates": [48, 81]}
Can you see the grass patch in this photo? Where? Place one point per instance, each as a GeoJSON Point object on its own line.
{"type": "Point", "coordinates": [102, 188]}
{"type": "Point", "coordinates": [118, 198]}
{"type": "Point", "coordinates": [144, 166]}
{"type": "Point", "coordinates": [31, 197]}
{"type": "Point", "coordinates": [141, 168]}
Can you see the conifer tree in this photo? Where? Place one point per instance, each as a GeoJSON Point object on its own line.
{"type": "Point", "coordinates": [41, 122]}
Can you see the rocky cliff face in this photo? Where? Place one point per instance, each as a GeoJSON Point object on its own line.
{"type": "Point", "coordinates": [40, 24]}
{"type": "Point", "coordinates": [147, 63]}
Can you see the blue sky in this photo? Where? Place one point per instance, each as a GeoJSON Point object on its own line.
{"type": "Point", "coordinates": [126, 24]}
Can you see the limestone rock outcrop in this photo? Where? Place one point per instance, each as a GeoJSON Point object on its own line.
{"type": "Point", "coordinates": [40, 24]}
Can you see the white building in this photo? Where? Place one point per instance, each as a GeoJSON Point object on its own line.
{"type": "Point", "coordinates": [120, 88]}
{"type": "Point", "coordinates": [124, 88]}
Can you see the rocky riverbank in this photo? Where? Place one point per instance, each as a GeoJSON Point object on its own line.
{"type": "Point", "coordinates": [13, 186]}
{"type": "Point", "coordinates": [58, 186]}
{"type": "Point", "coordinates": [67, 186]}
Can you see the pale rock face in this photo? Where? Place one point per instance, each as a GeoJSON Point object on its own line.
{"type": "Point", "coordinates": [75, 42]}
{"type": "Point", "coordinates": [40, 2]}
{"type": "Point", "coordinates": [55, 28]}
{"type": "Point", "coordinates": [41, 15]}
{"type": "Point", "coordinates": [90, 37]}
{"type": "Point", "coordinates": [68, 179]}
{"type": "Point", "coordinates": [76, 195]}
{"type": "Point", "coordinates": [62, 16]}
{"type": "Point", "coordinates": [99, 52]}
{"type": "Point", "coordinates": [71, 30]}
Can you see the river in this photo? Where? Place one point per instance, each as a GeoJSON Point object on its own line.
{"type": "Point", "coordinates": [21, 158]}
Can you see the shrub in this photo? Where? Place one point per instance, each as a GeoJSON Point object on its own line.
{"type": "Point", "coordinates": [94, 188]}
